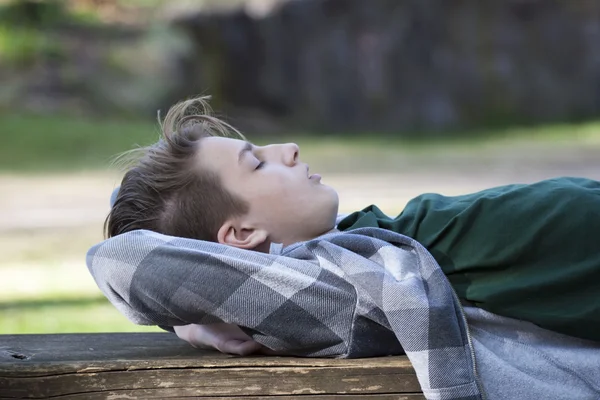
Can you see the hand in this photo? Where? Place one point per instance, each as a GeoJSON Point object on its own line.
{"type": "Point", "coordinates": [227, 338]}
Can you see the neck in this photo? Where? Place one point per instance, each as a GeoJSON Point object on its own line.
{"type": "Point", "coordinates": [297, 240]}
{"type": "Point", "coordinates": [264, 247]}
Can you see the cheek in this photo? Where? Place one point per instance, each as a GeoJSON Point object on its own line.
{"type": "Point", "coordinates": [277, 189]}
{"type": "Point", "coordinates": [291, 188]}
{"type": "Point", "coordinates": [264, 191]}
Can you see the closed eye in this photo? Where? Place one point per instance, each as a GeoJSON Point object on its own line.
{"type": "Point", "coordinates": [260, 165]}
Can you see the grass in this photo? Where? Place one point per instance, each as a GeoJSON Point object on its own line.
{"type": "Point", "coordinates": [53, 246]}
{"type": "Point", "coordinates": [37, 144]}
{"type": "Point", "coordinates": [44, 285]}
{"type": "Point", "coordinates": [65, 316]}
{"type": "Point", "coordinates": [55, 143]}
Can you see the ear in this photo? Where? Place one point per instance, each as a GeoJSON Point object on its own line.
{"type": "Point", "coordinates": [233, 234]}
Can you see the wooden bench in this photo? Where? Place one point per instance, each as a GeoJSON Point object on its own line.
{"type": "Point", "coordinates": [161, 366]}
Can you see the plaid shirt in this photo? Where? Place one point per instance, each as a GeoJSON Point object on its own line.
{"type": "Point", "coordinates": [362, 293]}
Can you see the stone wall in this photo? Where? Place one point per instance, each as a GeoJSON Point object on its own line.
{"type": "Point", "coordinates": [400, 65]}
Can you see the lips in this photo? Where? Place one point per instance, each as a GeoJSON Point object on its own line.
{"type": "Point", "coordinates": [312, 176]}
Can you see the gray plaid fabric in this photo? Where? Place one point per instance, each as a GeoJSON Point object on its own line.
{"type": "Point", "coordinates": [363, 293]}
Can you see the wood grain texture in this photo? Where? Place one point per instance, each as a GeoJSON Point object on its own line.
{"type": "Point", "coordinates": [161, 366]}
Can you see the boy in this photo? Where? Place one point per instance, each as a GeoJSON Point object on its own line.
{"type": "Point", "coordinates": [527, 252]}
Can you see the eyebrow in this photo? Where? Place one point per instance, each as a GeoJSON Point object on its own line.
{"type": "Point", "coordinates": [246, 149]}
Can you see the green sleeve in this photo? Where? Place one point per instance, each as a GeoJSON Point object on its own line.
{"type": "Point", "coordinates": [523, 251]}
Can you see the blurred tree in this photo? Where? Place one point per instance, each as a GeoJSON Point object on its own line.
{"type": "Point", "coordinates": [33, 13]}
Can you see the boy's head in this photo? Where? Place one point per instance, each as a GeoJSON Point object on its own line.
{"type": "Point", "coordinates": [199, 182]}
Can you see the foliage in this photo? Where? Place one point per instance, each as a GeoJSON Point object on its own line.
{"type": "Point", "coordinates": [24, 28]}
{"type": "Point", "coordinates": [21, 46]}
{"type": "Point", "coordinates": [34, 14]}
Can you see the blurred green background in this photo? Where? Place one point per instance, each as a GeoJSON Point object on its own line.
{"type": "Point", "coordinates": [401, 111]}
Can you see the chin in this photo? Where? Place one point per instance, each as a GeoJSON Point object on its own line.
{"type": "Point", "coordinates": [333, 208]}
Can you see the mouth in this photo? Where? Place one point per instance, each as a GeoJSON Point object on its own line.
{"type": "Point", "coordinates": [310, 176]}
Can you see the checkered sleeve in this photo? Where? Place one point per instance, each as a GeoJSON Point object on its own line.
{"type": "Point", "coordinates": [155, 279]}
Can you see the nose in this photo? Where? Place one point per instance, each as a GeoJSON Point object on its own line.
{"type": "Point", "coordinates": [291, 152]}
{"type": "Point", "coordinates": [287, 153]}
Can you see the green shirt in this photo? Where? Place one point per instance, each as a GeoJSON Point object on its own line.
{"type": "Point", "coordinates": [530, 252]}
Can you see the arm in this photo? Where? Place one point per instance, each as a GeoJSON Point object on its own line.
{"type": "Point", "coordinates": [160, 280]}
{"type": "Point", "coordinates": [355, 294]}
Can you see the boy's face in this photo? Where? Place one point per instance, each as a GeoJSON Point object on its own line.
{"type": "Point", "coordinates": [285, 200]}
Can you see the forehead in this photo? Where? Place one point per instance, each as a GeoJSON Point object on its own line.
{"type": "Point", "coordinates": [221, 144]}
{"type": "Point", "coordinates": [219, 151]}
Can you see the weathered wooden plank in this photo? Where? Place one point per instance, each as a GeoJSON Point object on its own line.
{"type": "Point", "coordinates": [159, 365]}
{"type": "Point", "coordinates": [64, 353]}
{"type": "Point", "coordinates": [216, 381]}
{"type": "Point", "coordinates": [186, 395]}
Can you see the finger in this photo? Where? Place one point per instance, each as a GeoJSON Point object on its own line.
{"type": "Point", "coordinates": [240, 347]}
